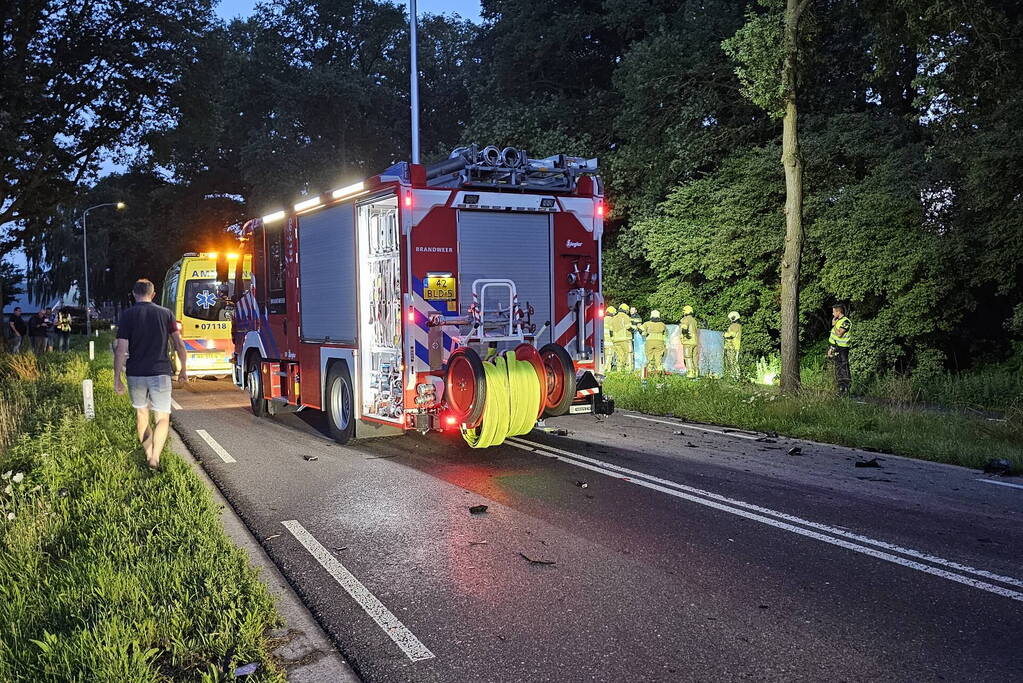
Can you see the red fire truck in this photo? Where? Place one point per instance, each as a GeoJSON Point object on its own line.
{"type": "Point", "coordinates": [381, 303]}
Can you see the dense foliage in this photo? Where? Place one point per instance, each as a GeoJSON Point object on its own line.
{"type": "Point", "coordinates": [909, 125]}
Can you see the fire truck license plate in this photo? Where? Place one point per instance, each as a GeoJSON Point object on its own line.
{"type": "Point", "coordinates": [439, 288]}
{"type": "Point", "coordinates": [581, 408]}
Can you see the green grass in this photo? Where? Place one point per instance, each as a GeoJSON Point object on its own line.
{"type": "Point", "coordinates": [950, 438]}
{"type": "Point", "coordinates": [106, 572]}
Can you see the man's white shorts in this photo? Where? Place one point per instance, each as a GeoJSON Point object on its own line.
{"type": "Point", "coordinates": [151, 392]}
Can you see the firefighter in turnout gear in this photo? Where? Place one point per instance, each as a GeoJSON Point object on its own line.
{"type": "Point", "coordinates": [655, 332]}
{"type": "Point", "coordinates": [733, 344]}
{"type": "Point", "coordinates": [689, 335]}
{"type": "Point", "coordinates": [621, 335]}
{"type": "Point", "coordinates": [609, 348]}
{"type": "Point", "coordinates": [838, 347]}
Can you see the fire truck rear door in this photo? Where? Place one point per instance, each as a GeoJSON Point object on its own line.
{"type": "Point", "coordinates": [516, 246]}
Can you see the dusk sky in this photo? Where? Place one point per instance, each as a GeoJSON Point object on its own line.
{"type": "Point", "coordinates": [469, 9]}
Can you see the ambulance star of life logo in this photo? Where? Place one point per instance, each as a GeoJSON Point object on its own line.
{"type": "Point", "coordinates": [205, 299]}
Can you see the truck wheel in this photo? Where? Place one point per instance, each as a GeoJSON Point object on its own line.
{"type": "Point", "coordinates": [254, 385]}
{"type": "Point", "coordinates": [340, 405]}
{"type": "Point", "coordinates": [465, 386]}
{"type": "Point", "coordinates": [560, 379]}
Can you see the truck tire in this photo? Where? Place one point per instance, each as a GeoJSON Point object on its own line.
{"type": "Point", "coordinates": [339, 403]}
{"type": "Point", "coordinates": [560, 379]}
{"type": "Point", "coordinates": [254, 385]}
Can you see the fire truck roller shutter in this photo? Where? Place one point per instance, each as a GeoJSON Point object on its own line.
{"type": "Point", "coordinates": [326, 249]}
{"type": "Point", "coordinates": [516, 246]}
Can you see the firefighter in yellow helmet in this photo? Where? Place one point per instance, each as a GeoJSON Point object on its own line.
{"type": "Point", "coordinates": [655, 332]}
{"type": "Point", "coordinates": [621, 336]}
{"type": "Point", "coordinates": [689, 336]}
{"type": "Point", "coordinates": [609, 349]}
{"type": "Point", "coordinates": [733, 343]}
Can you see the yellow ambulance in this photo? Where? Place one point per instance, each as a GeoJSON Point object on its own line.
{"type": "Point", "coordinates": [203, 309]}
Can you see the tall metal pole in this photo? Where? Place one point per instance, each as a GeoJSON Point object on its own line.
{"type": "Point", "coordinates": [85, 259]}
{"type": "Point", "coordinates": [414, 81]}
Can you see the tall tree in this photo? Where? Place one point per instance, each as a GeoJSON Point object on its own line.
{"type": "Point", "coordinates": [77, 78]}
{"type": "Point", "coordinates": [767, 52]}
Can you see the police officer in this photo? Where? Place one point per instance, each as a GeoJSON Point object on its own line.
{"type": "Point", "coordinates": [63, 326]}
{"type": "Point", "coordinates": [733, 342]}
{"type": "Point", "coordinates": [838, 347]}
{"type": "Point", "coordinates": [689, 336]}
{"type": "Point", "coordinates": [609, 348]}
{"type": "Point", "coordinates": [655, 333]}
{"type": "Point", "coordinates": [621, 336]}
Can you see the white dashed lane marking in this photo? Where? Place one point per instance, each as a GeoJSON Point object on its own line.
{"type": "Point", "coordinates": [403, 638]}
{"type": "Point", "coordinates": [217, 448]}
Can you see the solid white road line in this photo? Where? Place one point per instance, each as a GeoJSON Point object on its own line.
{"type": "Point", "coordinates": [405, 639]}
{"type": "Point", "coordinates": [175, 405]}
{"type": "Point", "coordinates": [692, 426]}
{"type": "Point", "coordinates": [745, 510]}
{"type": "Point", "coordinates": [1001, 483]}
{"type": "Point", "coordinates": [217, 448]}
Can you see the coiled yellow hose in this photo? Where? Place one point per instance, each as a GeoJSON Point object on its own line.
{"type": "Point", "coordinates": [513, 394]}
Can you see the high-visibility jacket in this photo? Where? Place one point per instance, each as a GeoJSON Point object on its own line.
{"type": "Point", "coordinates": [63, 322]}
{"type": "Point", "coordinates": [654, 331]}
{"type": "Point", "coordinates": [621, 327]}
{"type": "Point", "coordinates": [733, 336]}
{"type": "Point", "coordinates": [687, 331]}
{"type": "Point", "coordinates": [842, 323]}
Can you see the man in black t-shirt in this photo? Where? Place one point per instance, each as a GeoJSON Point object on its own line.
{"type": "Point", "coordinates": [142, 334]}
{"type": "Point", "coordinates": [19, 328]}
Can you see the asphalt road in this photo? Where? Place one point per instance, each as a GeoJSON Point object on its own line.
{"type": "Point", "coordinates": [626, 551]}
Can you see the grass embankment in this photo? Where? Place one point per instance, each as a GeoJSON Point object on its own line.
{"type": "Point", "coordinates": [108, 573]}
{"type": "Point", "coordinates": [927, 435]}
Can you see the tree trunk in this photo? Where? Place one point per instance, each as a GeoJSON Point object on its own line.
{"type": "Point", "coordinates": [793, 164]}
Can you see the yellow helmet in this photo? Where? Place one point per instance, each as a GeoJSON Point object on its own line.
{"type": "Point", "coordinates": [624, 308]}
{"type": "Point", "coordinates": [734, 316]}
{"type": "Point", "coordinates": [687, 310]}
{"type": "Point", "coordinates": [655, 313]}
{"type": "Point", "coordinates": [611, 310]}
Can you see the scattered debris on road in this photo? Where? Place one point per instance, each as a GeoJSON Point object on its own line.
{"type": "Point", "coordinates": [582, 484]}
{"type": "Point", "coordinates": [678, 432]}
{"type": "Point", "coordinates": [381, 457]}
{"type": "Point", "coordinates": [477, 542]}
{"type": "Point", "coordinates": [999, 466]}
{"type": "Point", "coordinates": [246, 670]}
{"type": "Point", "coordinates": [477, 509]}
{"type": "Point", "coordinates": [344, 547]}
{"type": "Point", "coordinates": [270, 537]}
{"type": "Point", "coordinates": [890, 481]}
{"type": "Point", "coordinates": [310, 458]}
{"type": "Point", "coordinates": [867, 463]}
{"type": "Point", "coordinates": [795, 450]}
{"type": "Point", "coordinates": [690, 444]}
{"type": "Point", "coordinates": [764, 439]}
{"type": "Point", "coordinates": [535, 561]}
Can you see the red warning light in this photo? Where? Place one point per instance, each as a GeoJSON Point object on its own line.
{"type": "Point", "coordinates": [408, 201]}
{"type": "Point", "coordinates": [411, 315]}
{"type": "Point", "coordinates": [600, 311]}
{"type": "Point", "coordinates": [451, 420]}
{"type": "Point", "coordinates": [600, 209]}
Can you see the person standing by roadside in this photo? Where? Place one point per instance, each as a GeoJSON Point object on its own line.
{"type": "Point", "coordinates": [688, 330]}
{"type": "Point", "coordinates": [733, 344]}
{"type": "Point", "coordinates": [62, 323]}
{"type": "Point", "coordinates": [838, 347]}
{"type": "Point", "coordinates": [18, 329]}
{"type": "Point", "coordinates": [621, 335]}
{"type": "Point", "coordinates": [38, 330]}
{"type": "Point", "coordinates": [142, 334]}
{"type": "Point", "coordinates": [655, 332]}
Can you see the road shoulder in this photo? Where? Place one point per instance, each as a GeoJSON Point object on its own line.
{"type": "Point", "coordinates": [305, 650]}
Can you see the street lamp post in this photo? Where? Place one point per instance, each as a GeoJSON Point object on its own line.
{"type": "Point", "coordinates": [85, 258]}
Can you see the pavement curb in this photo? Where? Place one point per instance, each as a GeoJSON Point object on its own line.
{"type": "Point", "coordinates": [307, 653]}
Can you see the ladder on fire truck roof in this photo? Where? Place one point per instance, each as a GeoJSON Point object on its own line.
{"type": "Point", "coordinates": [509, 169]}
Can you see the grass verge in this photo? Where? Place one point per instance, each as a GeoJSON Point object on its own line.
{"type": "Point", "coordinates": [108, 573]}
{"type": "Point", "coordinates": [949, 438]}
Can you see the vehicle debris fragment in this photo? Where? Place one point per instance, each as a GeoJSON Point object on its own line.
{"type": "Point", "coordinates": [536, 561]}
{"type": "Point", "coordinates": [477, 509]}
{"type": "Point", "coordinates": [867, 463]}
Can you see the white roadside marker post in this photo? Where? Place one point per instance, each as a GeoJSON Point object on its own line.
{"type": "Point", "coordinates": [87, 401]}
{"type": "Point", "coordinates": [92, 350]}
